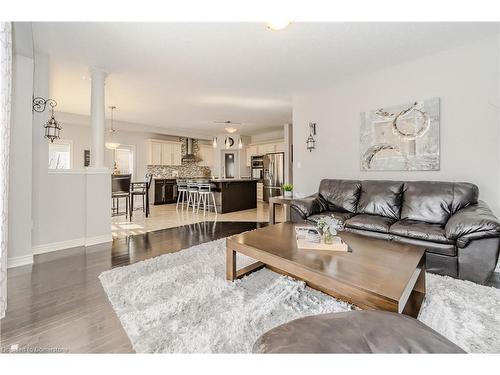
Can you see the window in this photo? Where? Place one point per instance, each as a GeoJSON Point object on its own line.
{"type": "Point", "coordinates": [124, 159]}
{"type": "Point", "coordinates": [60, 154]}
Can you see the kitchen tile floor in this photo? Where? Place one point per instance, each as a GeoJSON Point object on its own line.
{"type": "Point", "coordinates": [167, 216]}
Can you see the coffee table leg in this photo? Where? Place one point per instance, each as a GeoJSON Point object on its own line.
{"type": "Point", "coordinates": [417, 295]}
{"type": "Point", "coordinates": [230, 264]}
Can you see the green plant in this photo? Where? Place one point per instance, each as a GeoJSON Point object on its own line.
{"type": "Point", "coordinates": [288, 187]}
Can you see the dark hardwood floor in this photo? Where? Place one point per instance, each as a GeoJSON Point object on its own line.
{"type": "Point", "coordinates": [139, 247]}
{"type": "Point", "coordinates": [58, 304]}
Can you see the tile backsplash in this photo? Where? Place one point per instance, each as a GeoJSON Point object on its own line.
{"type": "Point", "coordinates": [186, 170]}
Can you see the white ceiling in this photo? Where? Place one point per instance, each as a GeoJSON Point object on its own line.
{"type": "Point", "coordinates": [186, 75]}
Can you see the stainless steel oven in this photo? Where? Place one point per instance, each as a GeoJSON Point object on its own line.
{"type": "Point", "coordinates": [257, 162]}
{"type": "Point", "coordinates": [258, 173]}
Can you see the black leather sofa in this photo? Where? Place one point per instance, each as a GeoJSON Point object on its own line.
{"type": "Point", "coordinates": [460, 233]}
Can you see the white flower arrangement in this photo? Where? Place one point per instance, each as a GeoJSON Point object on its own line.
{"type": "Point", "coordinates": [329, 225]}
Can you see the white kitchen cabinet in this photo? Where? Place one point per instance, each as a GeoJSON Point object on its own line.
{"type": "Point", "coordinates": [279, 147]}
{"type": "Point", "coordinates": [262, 149]}
{"type": "Point", "coordinates": [206, 153]}
{"type": "Point", "coordinates": [164, 152]}
{"type": "Point", "coordinates": [260, 191]}
{"type": "Point", "coordinates": [265, 148]}
{"type": "Point", "coordinates": [154, 153]}
{"type": "Point", "coordinates": [251, 151]}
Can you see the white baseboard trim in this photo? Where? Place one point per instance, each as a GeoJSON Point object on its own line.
{"type": "Point", "coordinates": [56, 246]}
{"type": "Point", "coordinates": [63, 245]}
{"type": "Point", "coordinates": [89, 241]}
{"type": "Point", "coordinates": [19, 261]}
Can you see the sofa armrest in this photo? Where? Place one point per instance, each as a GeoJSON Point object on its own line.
{"type": "Point", "coordinates": [308, 206]}
{"type": "Point", "coordinates": [472, 222]}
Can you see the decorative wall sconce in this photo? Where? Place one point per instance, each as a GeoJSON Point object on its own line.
{"type": "Point", "coordinates": [240, 143]}
{"type": "Point", "coordinates": [310, 140]}
{"type": "Point", "coordinates": [52, 127]}
{"type": "Point", "coordinates": [214, 142]}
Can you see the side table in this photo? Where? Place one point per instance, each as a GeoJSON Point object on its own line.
{"type": "Point", "coordinates": [279, 200]}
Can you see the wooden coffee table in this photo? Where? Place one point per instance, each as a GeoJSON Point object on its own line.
{"type": "Point", "coordinates": [376, 274]}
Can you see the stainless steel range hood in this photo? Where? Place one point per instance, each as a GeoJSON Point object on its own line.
{"type": "Point", "coordinates": [190, 156]}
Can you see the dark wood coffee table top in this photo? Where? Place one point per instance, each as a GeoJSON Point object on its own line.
{"type": "Point", "coordinates": [375, 274]}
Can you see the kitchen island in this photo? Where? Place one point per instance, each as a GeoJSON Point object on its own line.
{"type": "Point", "coordinates": [235, 194]}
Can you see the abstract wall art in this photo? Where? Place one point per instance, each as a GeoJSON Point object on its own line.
{"type": "Point", "coordinates": [401, 138]}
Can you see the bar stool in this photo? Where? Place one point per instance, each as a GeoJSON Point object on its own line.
{"type": "Point", "coordinates": [120, 188]}
{"type": "Point", "coordinates": [205, 193]}
{"type": "Point", "coordinates": [192, 191]}
{"type": "Point", "coordinates": [182, 193]}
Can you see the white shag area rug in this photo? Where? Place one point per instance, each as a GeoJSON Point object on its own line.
{"type": "Point", "coordinates": [181, 302]}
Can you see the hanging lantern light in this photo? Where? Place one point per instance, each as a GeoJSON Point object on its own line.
{"type": "Point", "coordinates": [52, 127]}
{"type": "Point", "coordinates": [311, 142]}
{"type": "Point", "coordinates": [112, 145]}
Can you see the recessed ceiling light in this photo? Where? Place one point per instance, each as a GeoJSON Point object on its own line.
{"type": "Point", "coordinates": [230, 130]}
{"type": "Point", "coordinates": [278, 25]}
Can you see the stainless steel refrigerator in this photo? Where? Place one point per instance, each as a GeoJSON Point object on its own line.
{"type": "Point", "coordinates": [274, 174]}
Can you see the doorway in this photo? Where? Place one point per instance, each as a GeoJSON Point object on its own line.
{"type": "Point", "coordinates": [229, 164]}
{"type": "Point", "coordinates": [124, 159]}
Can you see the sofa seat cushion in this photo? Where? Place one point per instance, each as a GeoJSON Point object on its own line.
{"type": "Point", "coordinates": [343, 216]}
{"type": "Point", "coordinates": [447, 249]}
{"type": "Point", "coordinates": [381, 198]}
{"type": "Point", "coordinates": [420, 231]}
{"type": "Point", "coordinates": [372, 223]}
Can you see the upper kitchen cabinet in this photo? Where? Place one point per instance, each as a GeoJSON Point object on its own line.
{"type": "Point", "coordinates": [266, 148]}
{"type": "Point", "coordinates": [154, 153]}
{"type": "Point", "coordinates": [164, 152]}
{"type": "Point", "coordinates": [262, 149]}
{"type": "Point", "coordinates": [279, 147]}
{"type": "Point", "coordinates": [251, 151]}
{"type": "Point", "coordinates": [206, 153]}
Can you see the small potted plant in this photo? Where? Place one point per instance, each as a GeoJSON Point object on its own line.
{"type": "Point", "coordinates": [288, 188]}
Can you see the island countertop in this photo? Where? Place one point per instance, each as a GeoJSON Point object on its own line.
{"type": "Point", "coordinates": [215, 180]}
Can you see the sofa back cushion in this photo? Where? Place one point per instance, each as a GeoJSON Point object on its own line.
{"type": "Point", "coordinates": [434, 202]}
{"type": "Point", "coordinates": [340, 195]}
{"type": "Point", "coordinates": [464, 194]}
{"type": "Point", "coordinates": [429, 201]}
{"type": "Point", "coordinates": [381, 198]}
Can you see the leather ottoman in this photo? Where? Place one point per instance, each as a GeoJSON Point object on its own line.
{"type": "Point", "coordinates": [354, 332]}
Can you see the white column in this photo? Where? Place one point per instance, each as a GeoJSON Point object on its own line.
{"type": "Point", "coordinates": [97, 116]}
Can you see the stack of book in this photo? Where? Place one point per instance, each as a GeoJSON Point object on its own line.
{"type": "Point", "coordinates": [309, 238]}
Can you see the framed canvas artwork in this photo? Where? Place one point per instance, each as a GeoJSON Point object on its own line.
{"type": "Point", "coordinates": [401, 138]}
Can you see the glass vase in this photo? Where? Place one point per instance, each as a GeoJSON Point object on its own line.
{"type": "Point", "coordinates": [327, 238]}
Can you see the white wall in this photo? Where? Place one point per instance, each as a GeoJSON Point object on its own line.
{"type": "Point", "coordinates": [80, 135]}
{"type": "Point", "coordinates": [20, 172]}
{"type": "Point", "coordinates": [268, 136]}
{"type": "Point", "coordinates": [68, 209]}
{"type": "Point", "coordinates": [467, 81]}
